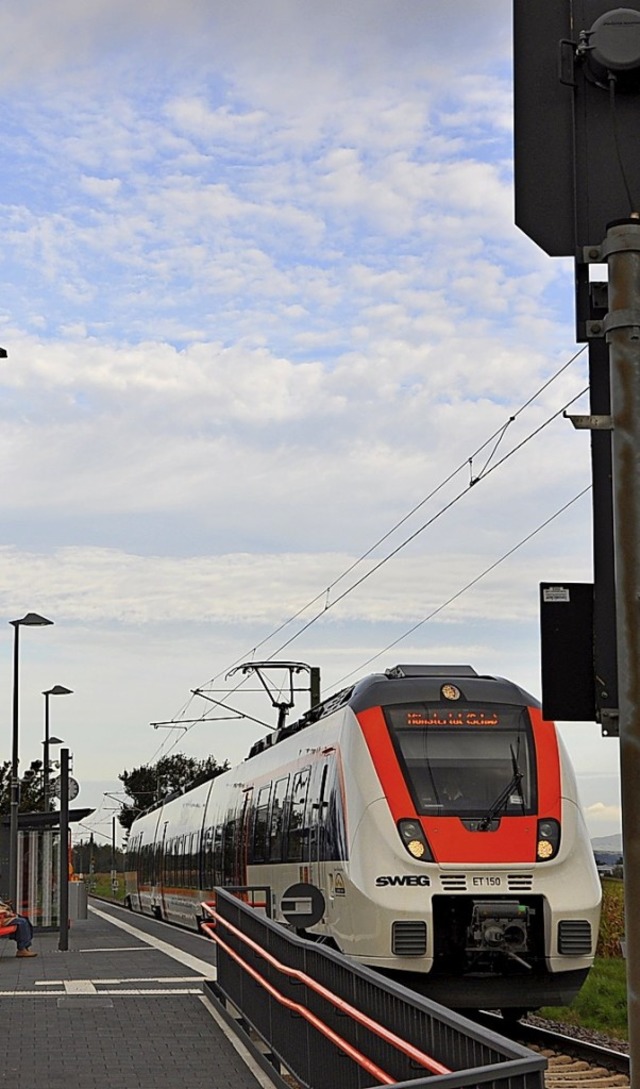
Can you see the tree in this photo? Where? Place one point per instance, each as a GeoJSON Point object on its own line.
{"type": "Point", "coordinates": [31, 788]}
{"type": "Point", "coordinates": [151, 782]}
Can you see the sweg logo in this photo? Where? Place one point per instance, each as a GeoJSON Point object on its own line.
{"type": "Point", "coordinates": [404, 879]}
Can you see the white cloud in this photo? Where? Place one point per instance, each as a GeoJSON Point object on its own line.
{"type": "Point", "coordinates": [603, 813]}
{"type": "Point", "coordinates": [101, 188]}
{"type": "Point", "coordinates": [82, 585]}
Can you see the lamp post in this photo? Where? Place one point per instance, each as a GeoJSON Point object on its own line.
{"type": "Point", "coordinates": [31, 620]}
{"type": "Point", "coordinates": [57, 690]}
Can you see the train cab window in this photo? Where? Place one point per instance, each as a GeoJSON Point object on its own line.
{"type": "Point", "coordinates": [468, 761]}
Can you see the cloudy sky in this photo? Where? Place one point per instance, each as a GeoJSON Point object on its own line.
{"type": "Point", "coordinates": [263, 301]}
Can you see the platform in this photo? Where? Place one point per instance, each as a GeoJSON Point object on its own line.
{"type": "Point", "coordinates": [123, 1008]}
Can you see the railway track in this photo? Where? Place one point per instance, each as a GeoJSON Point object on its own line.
{"type": "Point", "coordinates": [573, 1063]}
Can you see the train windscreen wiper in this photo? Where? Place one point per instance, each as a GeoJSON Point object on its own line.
{"type": "Point", "coordinates": [501, 801]}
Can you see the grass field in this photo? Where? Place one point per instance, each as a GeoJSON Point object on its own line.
{"type": "Point", "coordinates": [602, 1002]}
{"type": "Point", "coordinates": [100, 885]}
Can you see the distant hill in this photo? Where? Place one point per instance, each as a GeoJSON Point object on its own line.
{"type": "Point", "coordinates": [607, 843]}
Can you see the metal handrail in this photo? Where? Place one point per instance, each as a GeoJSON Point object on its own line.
{"type": "Point", "coordinates": [407, 1049]}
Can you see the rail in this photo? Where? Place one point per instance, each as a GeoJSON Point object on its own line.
{"type": "Point", "coordinates": [329, 1021]}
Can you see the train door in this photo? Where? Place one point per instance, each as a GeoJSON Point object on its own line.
{"type": "Point", "coordinates": [242, 839]}
{"type": "Point", "coordinates": [158, 906]}
{"type": "Point", "coordinates": [133, 876]}
{"type": "Point", "coordinates": [298, 826]}
{"type": "Point", "coordinates": [317, 805]}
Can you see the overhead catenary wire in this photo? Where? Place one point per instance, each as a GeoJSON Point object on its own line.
{"type": "Point", "coordinates": [416, 533]}
{"type": "Point", "coordinates": [495, 437]}
{"type": "Point", "coordinates": [463, 589]}
{"type": "Point", "coordinates": [487, 469]}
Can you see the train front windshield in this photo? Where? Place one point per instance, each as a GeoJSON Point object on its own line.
{"type": "Point", "coordinates": [469, 761]}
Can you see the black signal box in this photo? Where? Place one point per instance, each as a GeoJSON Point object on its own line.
{"type": "Point", "coordinates": [566, 634]}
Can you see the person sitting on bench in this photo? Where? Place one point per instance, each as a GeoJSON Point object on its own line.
{"type": "Point", "coordinates": [23, 934]}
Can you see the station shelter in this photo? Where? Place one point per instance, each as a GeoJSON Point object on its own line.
{"type": "Point", "coordinates": [38, 864]}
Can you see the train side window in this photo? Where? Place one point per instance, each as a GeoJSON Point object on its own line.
{"type": "Point", "coordinates": [207, 857]}
{"type": "Point", "coordinates": [296, 827]}
{"type": "Point", "coordinates": [276, 822]}
{"type": "Point", "coordinates": [180, 875]}
{"type": "Point", "coordinates": [156, 863]}
{"type": "Point", "coordinates": [218, 870]}
{"type": "Point", "coordinates": [186, 864]}
{"type": "Point", "coordinates": [143, 866]}
{"type": "Point", "coordinates": [175, 862]}
{"type": "Point", "coordinates": [229, 851]}
{"type": "Point", "coordinates": [185, 861]}
{"type": "Point", "coordinates": [191, 875]}
{"type": "Point", "coordinates": [260, 824]}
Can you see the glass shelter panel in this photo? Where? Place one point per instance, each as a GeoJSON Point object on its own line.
{"type": "Point", "coordinates": [38, 876]}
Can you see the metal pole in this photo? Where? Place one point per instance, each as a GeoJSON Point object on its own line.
{"type": "Point", "coordinates": [622, 326]}
{"type": "Point", "coordinates": [15, 783]}
{"type": "Point", "coordinates": [32, 620]}
{"type": "Point", "coordinates": [45, 770]}
{"type": "Point", "coordinates": [314, 686]}
{"type": "Point", "coordinates": [114, 873]}
{"type": "Point", "coordinates": [604, 610]}
{"type": "Point", "coordinates": [63, 879]}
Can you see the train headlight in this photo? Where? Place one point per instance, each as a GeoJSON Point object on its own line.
{"type": "Point", "coordinates": [548, 843]}
{"type": "Point", "coordinates": [414, 840]}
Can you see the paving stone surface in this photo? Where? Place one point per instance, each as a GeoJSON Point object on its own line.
{"type": "Point", "coordinates": [113, 1012]}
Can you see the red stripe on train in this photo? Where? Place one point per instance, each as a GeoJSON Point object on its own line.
{"type": "Point", "coordinates": [514, 841]}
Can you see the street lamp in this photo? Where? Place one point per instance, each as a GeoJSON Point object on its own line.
{"type": "Point", "coordinates": [31, 620]}
{"type": "Point", "coordinates": [57, 690]}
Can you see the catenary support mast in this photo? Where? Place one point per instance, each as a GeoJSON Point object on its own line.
{"type": "Point", "coordinates": [622, 325]}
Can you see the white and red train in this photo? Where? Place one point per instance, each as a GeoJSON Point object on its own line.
{"type": "Point", "coordinates": [436, 812]}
